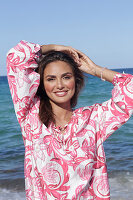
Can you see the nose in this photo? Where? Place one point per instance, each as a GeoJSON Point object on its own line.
{"type": "Point", "coordinates": [59, 84]}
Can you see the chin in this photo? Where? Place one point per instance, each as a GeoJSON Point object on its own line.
{"type": "Point", "coordinates": [61, 103]}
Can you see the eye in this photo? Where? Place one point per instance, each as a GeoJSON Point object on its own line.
{"type": "Point", "coordinates": [67, 77]}
{"type": "Point", "coordinates": [50, 79]}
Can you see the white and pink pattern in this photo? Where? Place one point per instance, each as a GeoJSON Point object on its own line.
{"type": "Point", "coordinates": [74, 167]}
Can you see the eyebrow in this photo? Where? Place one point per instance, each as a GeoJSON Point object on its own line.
{"type": "Point", "coordinates": [53, 76]}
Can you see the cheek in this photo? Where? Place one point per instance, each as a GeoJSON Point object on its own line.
{"type": "Point", "coordinates": [71, 85]}
{"type": "Point", "coordinates": [48, 87]}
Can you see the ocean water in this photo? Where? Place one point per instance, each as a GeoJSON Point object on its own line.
{"type": "Point", "coordinates": [118, 147]}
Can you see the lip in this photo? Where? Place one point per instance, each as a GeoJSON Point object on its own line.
{"type": "Point", "coordinates": [60, 93]}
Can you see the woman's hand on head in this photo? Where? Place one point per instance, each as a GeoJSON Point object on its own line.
{"type": "Point", "coordinates": [66, 49]}
{"type": "Point", "coordinates": [86, 64]}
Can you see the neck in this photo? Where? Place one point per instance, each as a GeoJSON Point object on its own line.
{"type": "Point", "coordinates": [62, 113]}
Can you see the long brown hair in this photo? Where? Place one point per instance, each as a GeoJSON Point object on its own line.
{"type": "Point", "coordinates": [45, 109]}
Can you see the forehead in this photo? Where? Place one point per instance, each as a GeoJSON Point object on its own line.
{"type": "Point", "coordinates": [57, 67]}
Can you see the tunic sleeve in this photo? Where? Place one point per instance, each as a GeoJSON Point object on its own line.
{"type": "Point", "coordinates": [22, 78]}
{"type": "Point", "coordinates": [116, 111]}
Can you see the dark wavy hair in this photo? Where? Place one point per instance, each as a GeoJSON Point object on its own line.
{"type": "Point", "coordinates": [46, 114]}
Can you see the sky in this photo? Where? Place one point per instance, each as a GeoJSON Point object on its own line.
{"type": "Point", "coordinates": [102, 29]}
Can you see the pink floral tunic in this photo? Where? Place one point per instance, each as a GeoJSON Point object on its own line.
{"type": "Point", "coordinates": [71, 167]}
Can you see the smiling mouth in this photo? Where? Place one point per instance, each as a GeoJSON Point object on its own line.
{"type": "Point", "coordinates": [61, 93]}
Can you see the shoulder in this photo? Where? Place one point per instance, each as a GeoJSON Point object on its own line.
{"type": "Point", "coordinates": [87, 110]}
{"type": "Point", "coordinates": [122, 78]}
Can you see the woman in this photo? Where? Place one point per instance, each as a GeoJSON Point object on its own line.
{"type": "Point", "coordinates": [64, 155]}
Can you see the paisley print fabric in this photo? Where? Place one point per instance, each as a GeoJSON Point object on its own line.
{"type": "Point", "coordinates": [72, 166]}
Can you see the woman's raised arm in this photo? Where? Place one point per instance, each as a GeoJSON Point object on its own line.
{"type": "Point", "coordinates": [89, 67]}
{"type": "Point", "coordinates": [117, 110]}
{"type": "Point", "coordinates": [23, 80]}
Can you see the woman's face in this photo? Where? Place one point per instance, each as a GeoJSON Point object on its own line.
{"type": "Point", "coordinates": [59, 82]}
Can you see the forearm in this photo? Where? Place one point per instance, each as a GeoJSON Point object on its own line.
{"type": "Point", "coordinates": [101, 72]}
{"type": "Point", "coordinates": [104, 73]}
{"type": "Point", "coordinates": [47, 48]}
{"type": "Point", "coordinates": [89, 67]}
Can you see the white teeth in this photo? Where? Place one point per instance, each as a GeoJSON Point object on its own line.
{"type": "Point", "coordinates": [61, 93]}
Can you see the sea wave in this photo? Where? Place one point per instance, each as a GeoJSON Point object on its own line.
{"type": "Point", "coordinates": [6, 194]}
{"type": "Point", "coordinates": [121, 186]}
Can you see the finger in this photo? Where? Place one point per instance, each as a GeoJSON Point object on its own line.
{"type": "Point", "coordinates": [80, 54]}
{"type": "Point", "coordinates": [80, 63]}
{"type": "Point", "coordinates": [73, 54]}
